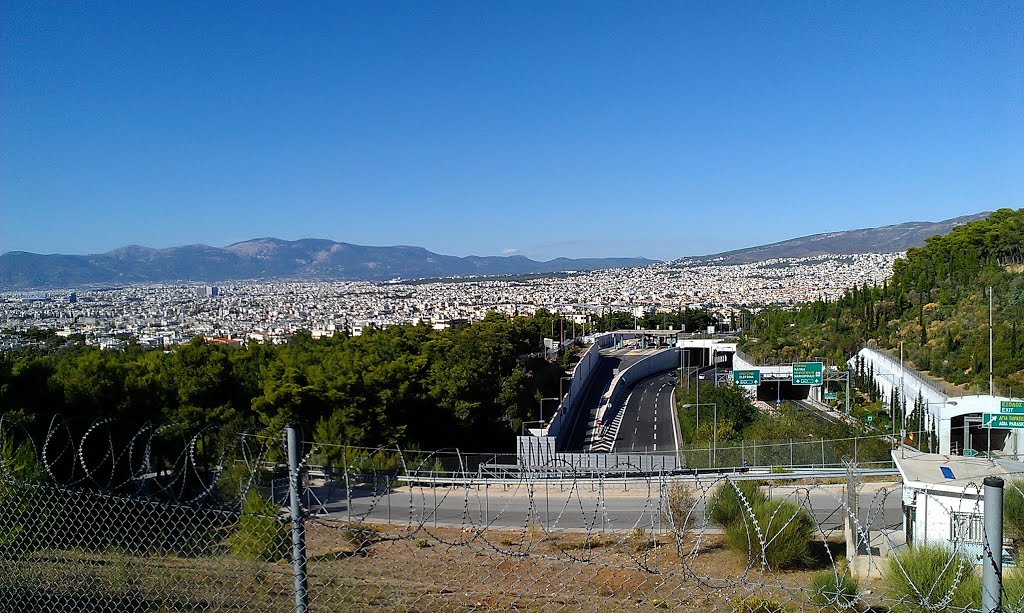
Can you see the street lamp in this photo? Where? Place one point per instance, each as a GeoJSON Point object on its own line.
{"type": "Point", "coordinates": [542, 406]}
{"type": "Point", "coordinates": [714, 432]}
{"type": "Point", "coordinates": [684, 354]}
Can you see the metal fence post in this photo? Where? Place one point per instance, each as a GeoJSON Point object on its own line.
{"type": "Point", "coordinates": [992, 564]}
{"type": "Point", "coordinates": [547, 508]}
{"type": "Point", "coordinates": [348, 488]}
{"type": "Point", "coordinates": [663, 500]}
{"type": "Point", "coordinates": [298, 529]}
{"type": "Point", "coordinates": [851, 522]}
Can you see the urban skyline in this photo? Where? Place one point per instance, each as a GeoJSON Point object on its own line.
{"type": "Point", "coordinates": [163, 315]}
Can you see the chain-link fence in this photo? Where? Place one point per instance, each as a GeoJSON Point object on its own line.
{"type": "Point", "coordinates": [783, 454]}
{"type": "Point", "coordinates": [215, 522]}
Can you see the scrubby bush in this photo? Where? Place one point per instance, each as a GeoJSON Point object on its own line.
{"type": "Point", "coordinates": [21, 517]}
{"type": "Point", "coordinates": [260, 534]}
{"type": "Point", "coordinates": [1013, 590]}
{"type": "Point", "coordinates": [1013, 510]}
{"type": "Point", "coordinates": [726, 507]}
{"type": "Point", "coordinates": [835, 591]}
{"type": "Point", "coordinates": [787, 530]}
{"type": "Point", "coordinates": [932, 578]}
{"type": "Point", "coordinates": [681, 502]}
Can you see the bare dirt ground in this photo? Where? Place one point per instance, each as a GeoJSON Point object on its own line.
{"type": "Point", "coordinates": [401, 569]}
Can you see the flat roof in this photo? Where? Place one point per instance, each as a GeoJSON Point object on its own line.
{"type": "Point", "coordinates": [951, 473]}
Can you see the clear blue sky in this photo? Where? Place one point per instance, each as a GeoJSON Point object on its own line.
{"type": "Point", "coordinates": [542, 128]}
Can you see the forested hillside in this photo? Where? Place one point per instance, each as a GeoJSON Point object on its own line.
{"type": "Point", "coordinates": [469, 386]}
{"type": "Point", "coordinates": [936, 304]}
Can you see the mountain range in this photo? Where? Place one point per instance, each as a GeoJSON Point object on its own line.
{"type": "Point", "coordinates": [884, 239]}
{"type": "Point", "coordinates": [321, 259]}
{"type": "Point", "coordinates": [270, 258]}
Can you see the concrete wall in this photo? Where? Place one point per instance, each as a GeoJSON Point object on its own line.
{"type": "Point", "coordinates": [582, 373]}
{"type": "Point", "coordinates": [615, 398]}
{"type": "Point", "coordinates": [887, 374]}
{"type": "Point", "coordinates": [933, 518]}
{"type": "Point", "coordinates": [940, 409]}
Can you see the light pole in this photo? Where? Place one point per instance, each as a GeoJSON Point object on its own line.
{"type": "Point", "coordinates": [714, 362]}
{"type": "Point", "coordinates": [714, 428]}
{"type": "Point", "coordinates": [686, 355]}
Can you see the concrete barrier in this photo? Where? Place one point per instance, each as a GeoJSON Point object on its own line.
{"type": "Point", "coordinates": [614, 399]}
{"type": "Point", "coordinates": [582, 373]}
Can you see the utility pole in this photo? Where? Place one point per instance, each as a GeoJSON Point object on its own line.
{"type": "Point", "coordinates": [902, 402]}
{"type": "Point", "coordinates": [686, 354]}
{"type": "Point", "coordinates": [991, 389]}
{"type": "Point", "coordinates": [847, 389]}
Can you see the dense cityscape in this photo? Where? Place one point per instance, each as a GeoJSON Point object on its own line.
{"type": "Point", "coordinates": [236, 312]}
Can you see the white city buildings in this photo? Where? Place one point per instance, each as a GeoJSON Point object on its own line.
{"type": "Point", "coordinates": [167, 314]}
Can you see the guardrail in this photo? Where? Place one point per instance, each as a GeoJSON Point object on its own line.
{"type": "Point", "coordinates": [511, 473]}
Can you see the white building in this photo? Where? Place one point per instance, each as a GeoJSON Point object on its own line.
{"type": "Point", "coordinates": [955, 421]}
{"type": "Point", "coordinates": [943, 497]}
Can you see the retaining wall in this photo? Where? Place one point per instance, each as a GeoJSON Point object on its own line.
{"type": "Point", "coordinates": [581, 376]}
{"type": "Point", "coordinates": [615, 398]}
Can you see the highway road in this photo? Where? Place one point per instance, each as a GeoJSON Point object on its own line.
{"type": "Point", "coordinates": [584, 505]}
{"type": "Point", "coordinates": [647, 424]}
{"type": "Point", "coordinates": [586, 416]}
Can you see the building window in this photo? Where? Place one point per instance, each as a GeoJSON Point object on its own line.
{"type": "Point", "coordinates": [965, 527]}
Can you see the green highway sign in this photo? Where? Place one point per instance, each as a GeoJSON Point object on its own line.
{"type": "Point", "coordinates": [1013, 407]}
{"type": "Point", "coordinates": [807, 373]}
{"type": "Point", "coordinates": [970, 453]}
{"type": "Point", "coordinates": [1010, 415]}
{"type": "Point", "coordinates": [871, 418]}
{"type": "Point", "coordinates": [999, 420]}
{"type": "Point", "coordinates": [831, 395]}
{"type": "Point", "coordinates": [746, 377]}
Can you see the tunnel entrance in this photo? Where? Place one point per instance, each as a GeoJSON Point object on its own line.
{"type": "Point", "coordinates": [770, 391]}
{"type": "Point", "coordinates": [966, 432]}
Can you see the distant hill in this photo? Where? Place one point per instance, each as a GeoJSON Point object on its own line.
{"type": "Point", "coordinates": [933, 311]}
{"type": "Point", "coordinates": [886, 239]}
{"type": "Point", "coordinates": [270, 258]}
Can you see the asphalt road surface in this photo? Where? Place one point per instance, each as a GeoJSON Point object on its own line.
{"type": "Point", "coordinates": [647, 419]}
{"type": "Point", "coordinates": [586, 415]}
{"type": "Point", "coordinates": [583, 505]}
